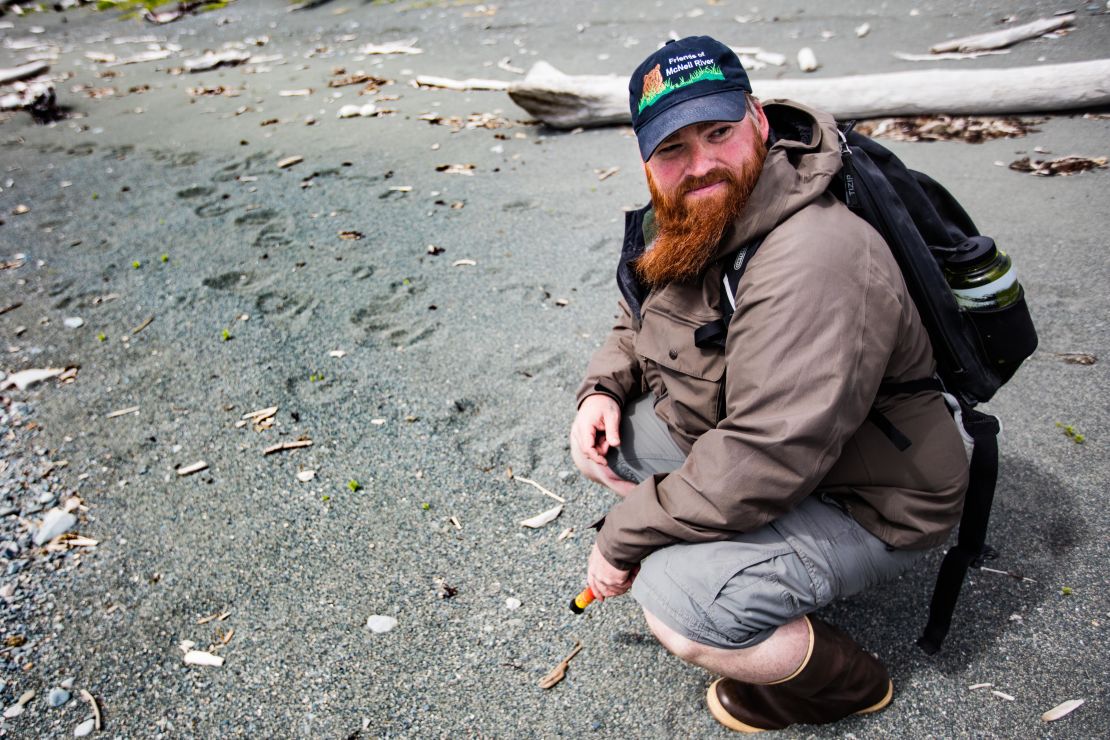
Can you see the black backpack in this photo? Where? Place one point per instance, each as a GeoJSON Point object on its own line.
{"type": "Point", "coordinates": [976, 351]}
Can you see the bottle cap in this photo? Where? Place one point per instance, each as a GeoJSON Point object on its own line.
{"type": "Point", "coordinates": [975, 249]}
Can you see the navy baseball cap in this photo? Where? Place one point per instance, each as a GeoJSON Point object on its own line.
{"type": "Point", "coordinates": [692, 80]}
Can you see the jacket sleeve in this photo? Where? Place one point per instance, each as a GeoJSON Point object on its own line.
{"type": "Point", "coordinates": [614, 368]}
{"type": "Point", "coordinates": [807, 346]}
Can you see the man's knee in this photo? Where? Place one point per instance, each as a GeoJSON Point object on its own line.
{"type": "Point", "coordinates": [675, 643]}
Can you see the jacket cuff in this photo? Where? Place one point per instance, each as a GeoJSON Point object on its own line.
{"type": "Point", "coordinates": [618, 557]}
{"type": "Point", "coordinates": [598, 388]}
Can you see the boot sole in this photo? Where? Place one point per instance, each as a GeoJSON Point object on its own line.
{"type": "Point", "coordinates": [721, 714]}
{"type": "Point", "coordinates": [881, 703]}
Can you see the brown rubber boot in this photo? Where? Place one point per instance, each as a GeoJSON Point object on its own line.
{"type": "Point", "coordinates": [837, 678]}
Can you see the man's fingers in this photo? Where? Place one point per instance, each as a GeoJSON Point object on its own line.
{"type": "Point", "coordinates": [611, 418]}
{"type": "Point", "coordinates": [584, 442]}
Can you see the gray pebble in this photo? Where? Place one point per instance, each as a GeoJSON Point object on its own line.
{"type": "Point", "coordinates": [57, 697]}
{"type": "Point", "coordinates": [84, 728]}
{"type": "Point", "coordinates": [15, 566]}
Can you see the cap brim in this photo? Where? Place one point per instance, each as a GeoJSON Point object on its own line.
{"type": "Point", "coordinates": [722, 106]}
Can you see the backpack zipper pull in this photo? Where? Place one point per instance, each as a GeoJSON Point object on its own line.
{"type": "Point", "coordinates": [847, 172]}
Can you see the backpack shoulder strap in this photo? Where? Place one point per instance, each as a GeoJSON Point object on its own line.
{"type": "Point", "coordinates": [713, 334]}
{"type": "Point", "coordinates": [971, 543]}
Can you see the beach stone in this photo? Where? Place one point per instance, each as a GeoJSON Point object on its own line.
{"type": "Point", "coordinates": [13, 711]}
{"type": "Point", "coordinates": [9, 549]}
{"type": "Point", "coordinates": [512, 603]}
{"type": "Point", "coordinates": [379, 623]}
{"type": "Point", "coordinates": [84, 728]}
{"type": "Point", "coordinates": [15, 566]}
{"type": "Point", "coordinates": [67, 684]}
{"type": "Point", "coordinates": [55, 522]}
{"type": "Point", "coordinates": [57, 697]}
{"type": "Point", "coordinates": [73, 322]}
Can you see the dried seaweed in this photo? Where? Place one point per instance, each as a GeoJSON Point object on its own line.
{"type": "Point", "coordinates": [971, 129]}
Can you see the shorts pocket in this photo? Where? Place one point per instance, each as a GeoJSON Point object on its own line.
{"type": "Point", "coordinates": [703, 570]}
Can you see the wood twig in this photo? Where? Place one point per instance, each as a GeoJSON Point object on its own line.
{"type": "Point", "coordinates": [543, 490]}
{"type": "Point", "coordinates": [282, 446]}
{"type": "Point", "coordinates": [142, 326]}
{"type": "Point", "coordinates": [560, 671]}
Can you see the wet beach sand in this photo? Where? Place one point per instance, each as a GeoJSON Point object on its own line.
{"type": "Point", "coordinates": [418, 296]}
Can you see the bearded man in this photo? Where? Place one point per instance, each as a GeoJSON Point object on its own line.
{"type": "Point", "coordinates": [757, 474]}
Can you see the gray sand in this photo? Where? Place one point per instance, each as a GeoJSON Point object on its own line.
{"type": "Point", "coordinates": [452, 375]}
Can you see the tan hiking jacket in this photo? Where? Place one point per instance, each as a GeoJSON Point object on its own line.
{"type": "Point", "coordinates": [822, 316]}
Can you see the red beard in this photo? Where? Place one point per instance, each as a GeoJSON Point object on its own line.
{"type": "Point", "coordinates": [690, 232]}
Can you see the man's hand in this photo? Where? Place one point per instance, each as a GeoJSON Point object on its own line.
{"type": "Point", "coordinates": [596, 430]}
{"type": "Point", "coordinates": [604, 579]}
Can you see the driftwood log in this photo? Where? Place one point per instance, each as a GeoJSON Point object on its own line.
{"type": "Point", "coordinates": [1005, 37]}
{"type": "Point", "coordinates": [570, 101]}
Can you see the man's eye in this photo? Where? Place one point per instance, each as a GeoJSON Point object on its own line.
{"type": "Point", "coordinates": [667, 149]}
{"type": "Point", "coordinates": [720, 132]}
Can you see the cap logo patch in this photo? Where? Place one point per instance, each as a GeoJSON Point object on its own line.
{"type": "Point", "coordinates": [658, 83]}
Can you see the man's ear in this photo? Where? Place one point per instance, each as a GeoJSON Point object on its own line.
{"type": "Point", "coordinates": [761, 120]}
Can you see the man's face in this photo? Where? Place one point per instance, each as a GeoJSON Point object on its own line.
{"type": "Point", "coordinates": [700, 179]}
{"type": "Point", "coordinates": [685, 162]}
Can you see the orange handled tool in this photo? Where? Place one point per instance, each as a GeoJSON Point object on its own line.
{"type": "Point", "coordinates": [579, 603]}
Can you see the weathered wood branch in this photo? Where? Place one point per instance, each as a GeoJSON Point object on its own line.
{"type": "Point", "coordinates": [23, 72]}
{"type": "Point", "coordinates": [1005, 37]}
{"type": "Point", "coordinates": [471, 83]}
{"type": "Point", "coordinates": [569, 101]}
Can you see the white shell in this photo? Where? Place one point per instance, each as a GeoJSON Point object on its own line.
{"type": "Point", "coordinates": [1061, 710]}
{"type": "Point", "coordinates": [541, 519]}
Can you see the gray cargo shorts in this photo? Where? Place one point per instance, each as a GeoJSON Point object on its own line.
{"type": "Point", "coordinates": [733, 594]}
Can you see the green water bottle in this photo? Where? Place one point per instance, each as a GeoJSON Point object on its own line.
{"type": "Point", "coordinates": [981, 276]}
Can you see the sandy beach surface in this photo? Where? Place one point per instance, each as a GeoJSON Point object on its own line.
{"type": "Point", "coordinates": [418, 296]}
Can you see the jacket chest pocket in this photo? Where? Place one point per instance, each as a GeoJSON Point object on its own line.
{"type": "Point", "coordinates": [687, 380]}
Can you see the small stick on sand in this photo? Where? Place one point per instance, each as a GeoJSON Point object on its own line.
{"type": "Point", "coordinates": [123, 412]}
{"type": "Point", "coordinates": [560, 671]}
{"type": "Point", "coordinates": [143, 325]}
{"type": "Point", "coordinates": [196, 467]}
{"type": "Point", "coordinates": [543, 490]}
{"type": "Point", "coordinates": [282, 446]}
{"type": "Point", "coordinates": [261, 414]}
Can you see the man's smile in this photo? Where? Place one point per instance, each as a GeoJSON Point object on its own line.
{"type": "Point", "coordinates": [705, 189]}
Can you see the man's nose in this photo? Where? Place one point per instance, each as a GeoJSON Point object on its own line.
{"type": "Point", "coordinates": [701, 161]}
